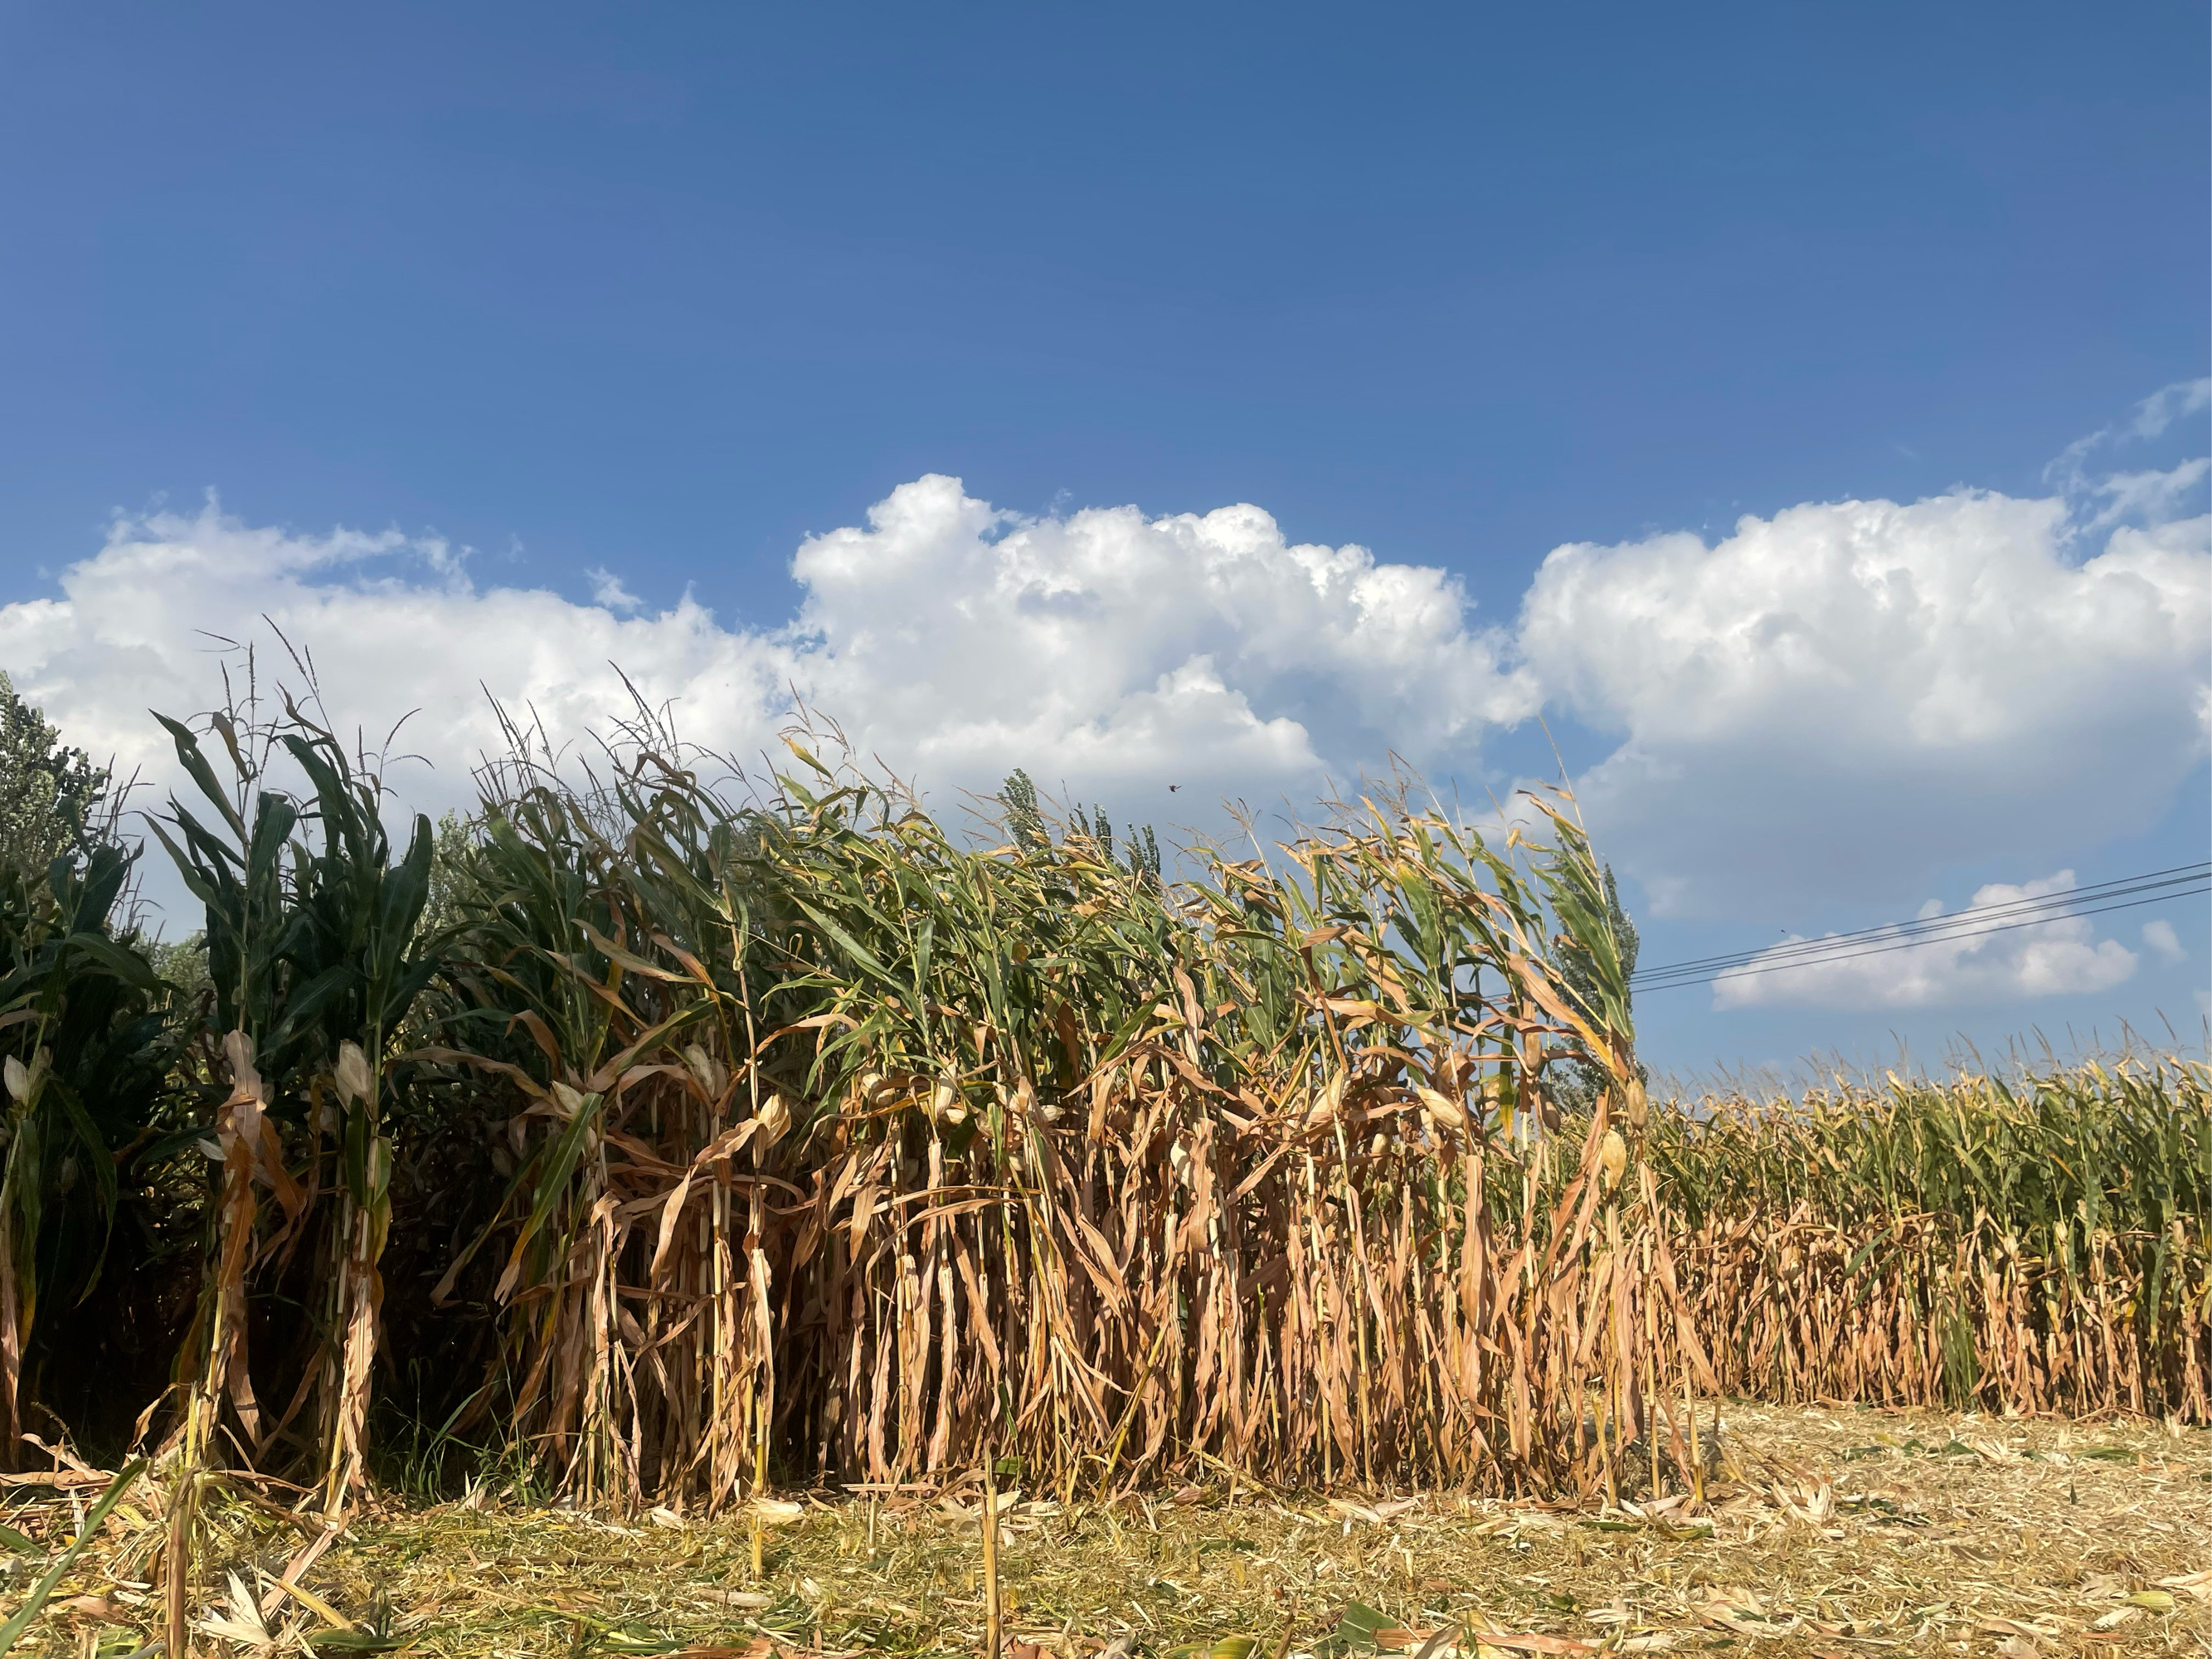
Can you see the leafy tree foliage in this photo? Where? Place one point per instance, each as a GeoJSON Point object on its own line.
{"type": "Point", "coordinates": [1577, 1084]}
{"type": "Point", "coordinates": [54, 802]}
{"type": "Point", "coordinates": [1026, 820]}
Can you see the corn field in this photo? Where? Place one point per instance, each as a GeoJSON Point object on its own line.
{"type": "Point", "coordinates": [2035, 1247]}
{"type": "Point", "coordinates": [848, 1151]}
{"type": "Point", "coordinates": [671, 1138]}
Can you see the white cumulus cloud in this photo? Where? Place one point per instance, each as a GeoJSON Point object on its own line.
{"type": "Point", "coordinates": [394, 626]}
{"type": "Point", "coordinates": [1891, 968]}
{"type": "Point", "coordinates": [609, 591]}
{"type": "Point", "coordinates": [1106, 647]}
{"type": "Point", "coordinates": [1830, 704]}
{"type": "Point", "coordinates": [954, 641]}
{"type": "Point", "coordinates": [1849, 693]}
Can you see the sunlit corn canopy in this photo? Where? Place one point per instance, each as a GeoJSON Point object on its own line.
{"type": "Point", "coordinates": [886, 1151]}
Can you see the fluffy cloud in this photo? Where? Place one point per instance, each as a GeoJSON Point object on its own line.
{"type": "Point", "coordinates": [1107, 648]}
{"type": "Point", "coordinates": [1867, 690]}
{"type": "Point", "coordinates": [609, 592]}
{"type": "Point", "coordinates": [1886, 969]}
{"type": "Point", "coordinates": [1834, 702]}
{"type": "Point", "coordinates": [393, 627]}
{"type": "Point", "coordinates": [954, 641]}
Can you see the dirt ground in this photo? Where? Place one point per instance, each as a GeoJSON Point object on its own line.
{"type": "Point", "coordinates": [1825, 1532]}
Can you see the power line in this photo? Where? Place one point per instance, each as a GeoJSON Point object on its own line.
{"type": "Point", "coordinates": [2057, 903]}
{"type": "Point", "coordinates": [1902, 944]}
{"type": "Point", "coordinates": [2180, 875]}
{"type": "Point", "coordinates": [1960, 927]}
{"type": "Point", "coordinates": [1749, 964]}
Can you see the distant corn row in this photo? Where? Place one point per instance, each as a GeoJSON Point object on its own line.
{"type": "Point", "coordinates": [2035, 1247]}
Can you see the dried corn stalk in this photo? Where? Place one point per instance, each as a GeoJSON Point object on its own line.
{"type": "Point", "coordinates": [1114, 1177]}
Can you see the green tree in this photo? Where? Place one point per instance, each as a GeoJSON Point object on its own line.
{"type": "Point", "coordinates": [1026, 820]}
{"type": "Point", "coordinates": [454, 881]}
{"type": "Point", "coordinates": [1574, 962]}
{"type": "Point", "coordinates": [54, 802]}
{"type": "Point", "coordinates": [1577, 1084]}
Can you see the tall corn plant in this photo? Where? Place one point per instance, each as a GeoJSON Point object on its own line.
{"type": "Point", "coordinates": [84, 1038]}
{"type": "Point", "coordinates": [310, 925]}
{"type": "Point", "coordinates": [563, 1018]}
{"type": "Point", "coordinates": [352, 948]}
{"type": "Point", "coordinates": [1044, 1157]}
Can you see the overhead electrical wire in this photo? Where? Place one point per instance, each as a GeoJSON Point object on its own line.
{"type": "Point", "coordinates": [1932, 930]}
{"type": "Point", "coordinates": [2178, 876]}
{"type": "Point", "coordinates": [1756, 968]}
{"type": "Point", "coordinates": [2122, 893]}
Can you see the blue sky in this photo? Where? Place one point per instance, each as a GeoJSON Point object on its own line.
{"type": "Point", "coordinates": [662, 293]}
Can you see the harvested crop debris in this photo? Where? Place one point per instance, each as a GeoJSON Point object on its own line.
{"type": "Point", "coordinates": [1825, 1530]}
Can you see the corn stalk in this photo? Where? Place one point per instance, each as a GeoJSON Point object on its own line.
{"type": "Point", "coordinates": [1149, 1175]}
